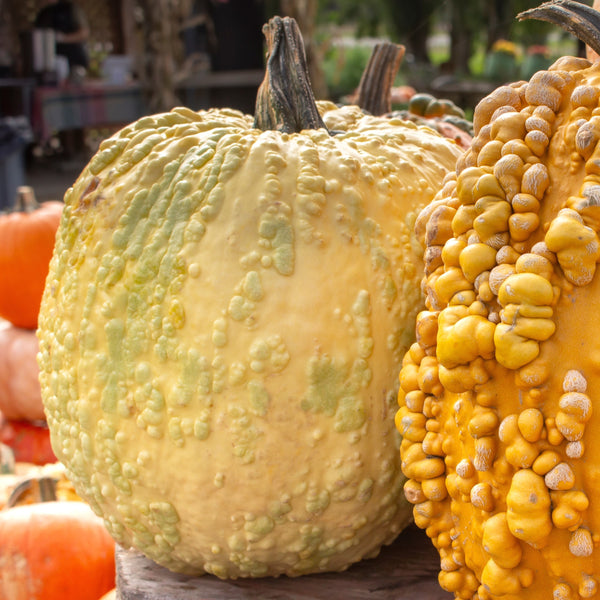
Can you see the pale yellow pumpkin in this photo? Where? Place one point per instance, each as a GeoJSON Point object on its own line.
{"type": "Point", "coordinates": [222, 329]}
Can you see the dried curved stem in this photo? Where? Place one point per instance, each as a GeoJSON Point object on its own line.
{"type": "Point", "coordinates": [285, 101]}
{"type": "Point", "coordinates": [375, 88]}
{"type": "Point", "coordinates": [576, 18]}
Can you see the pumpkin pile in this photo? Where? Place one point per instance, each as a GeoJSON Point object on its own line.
{"type": "Point", "coordinates": [52, 547]}
{"type": "Point", "coordinates": [52, 544]}
{"type": "Point", "coordinates": [224, 320]}
{"type": "Point", "coordinates": [500, 432]}
{"type": "Point", "coordinates": [26, 243]}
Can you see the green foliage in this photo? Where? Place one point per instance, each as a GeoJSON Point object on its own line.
{"type": "Point", "coordinates": [370, 18]}
{"type": "Point", "coordinates": [343, 67]}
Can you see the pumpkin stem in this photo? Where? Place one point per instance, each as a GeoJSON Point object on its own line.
{"type": "Point", "coordinates": [375, 88]}
{"type": "Point", "coordinates": [575, 17]}
{"type": "Point", "coordinates": [285, 101]}
{"type": "Point", "coordinates": [36, 489]}
{"type": "Point", "coordinates": [26, 201]}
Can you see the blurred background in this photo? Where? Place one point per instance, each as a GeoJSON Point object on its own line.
{"type": "Point", "coordinates": [72, 73]}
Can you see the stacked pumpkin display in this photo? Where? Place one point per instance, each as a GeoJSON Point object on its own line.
{"type": "Point", "coordinates": [26, 244]}
{"type": "Point", "coordinates": [53, 545]}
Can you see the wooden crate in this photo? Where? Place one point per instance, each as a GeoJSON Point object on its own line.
{"type": "Point", "coordinates": [405, 570]}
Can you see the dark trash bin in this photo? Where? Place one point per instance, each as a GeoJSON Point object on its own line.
{"type": "Point", "coordinates": [15, 135]}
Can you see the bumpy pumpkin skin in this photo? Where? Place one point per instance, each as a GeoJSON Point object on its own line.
{"type": "Point", "coordinates": [497, 397]}
{"type": "Point", "coordinates": [222, 331]}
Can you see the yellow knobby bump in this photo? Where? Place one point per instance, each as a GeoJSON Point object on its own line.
{"type": "Point", "coordinates": [513, 351]}
{"type": "Point", "coordinates": [531, 424]}
{"type": "Point", "coordinates": [528, 508]}
{"type": "Point", "coordinates": [575, 410]}
{"type": "Point", "coordinates": [417, 465]}
{"type": "Point", "coordinates": [483, 422]}
{"type": "Point", "coordinates": [411, 425]}
{"type": "Point", "coordinates": [576, 245]}
{"type": "Point", "coordinates": [519, 452]}
{"type": "Point", "coordinates": [485, 452]}
{"type": "Point", "coordinates": [463, 337]}
{"type": "Point", "coordinates": [487, 185]}
{"type": "Point", "coordinates": [574, 381]}
{"type": "Point", "coordinates": [466, 182]}
{"type": "Point", "coordinates": [463, 219]}
{"type": "Point", "coordinates": [493, 213]}
{"type": "Point", "coordinates": [490, 153]}
{"type": "Point", "coordinates": [463, 377]}
{"type": "Point", "coordinates": [561, 477]}
{"type": "Point", "coordinates": [503, 95]}
{"type": "Point", "coordinates": [449, 283]}
{"type": "Point", "coordinates": [534, 263]}
{"type": "Point", "coordinates": [451, 251]}
{"type": "Point", "coordinates": [527, 298]}
{"type": "Point", "coordinates": [482, 497]}
{"type": "Point", "coordinates": [427, 328]}
{"type": "Point", "coordinates": [549, 88]}
{"type": "Point", "coordinates": [500, 582]}
{"type": "Point", "coordinates": [474, 259]}
{"type": "Point", "coordinates": [526, 288]}
{"type": "Point", "coordinates": [536, 180]}
{"type": "Point", "coordinates": [581, 543]}
{"type": "Point", "coordinates": [520, 148]}
{"type": "Point", "coordinates": [586, 204]}
{"type": "Point", "coordinates": [500, 543]}
{"type": "Point", "coordinates": [569, 508]}
{"type": "Point", "coordinates": [509, 126]}
{"type": "Point", "coordinates": [509, 171]}
{"type": "Point", "coordinates": [525, 203]}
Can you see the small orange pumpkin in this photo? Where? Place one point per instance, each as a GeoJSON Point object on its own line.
{"type": "Point", "coordinates": [26, 244]}
{"type": "Point", "coordinates": [55, 551]}
{"type": "Point", "coordinates": [20, 393]}
{"type": "Point", "coordinates": [30, 442]}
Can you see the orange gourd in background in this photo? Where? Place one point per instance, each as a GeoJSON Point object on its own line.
{"type": "Point", "coordinates": [29, 441]}
{"type": "Point", "coordinates": [497, 409]}
{"type": "Point", "coordinates": [20, 393]}
{"type": "Point", "coordinates": [54, 551]}
{"type": "Point", "coordinates": [26, 244]}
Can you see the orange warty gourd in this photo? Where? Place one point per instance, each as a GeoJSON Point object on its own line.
{"type": "Point", "coordinates": [20, 392]}
{"type": "Point", "coordinates": [500, 433]}
{"type": "Point", "coordinates": [54, 551]}
{"type": "Point", "coordinates": [26, 244]}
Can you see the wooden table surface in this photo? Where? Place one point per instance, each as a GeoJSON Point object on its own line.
{"type": "Point", "coordinates": [407, 569]}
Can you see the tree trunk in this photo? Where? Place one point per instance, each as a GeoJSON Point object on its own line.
{"type": "Point", "coordinates": [461, 37]}
{"type": "Point", "coordinates": [161, 52]}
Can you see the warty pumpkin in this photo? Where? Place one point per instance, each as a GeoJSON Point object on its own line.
{"type": "Point", "coordinates": [26, 244]}
{"type": "Point", "coordinates": [500, 432]}
{"type": "Point", "coordinates": [223, 325]}
{"type": "Point", "coordinates": [54, 551]}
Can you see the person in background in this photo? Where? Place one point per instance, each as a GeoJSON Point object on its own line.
{"type": "Point", "coordinates": [71, 29]}
{"type": "Point", "coordinates": [71, 34]}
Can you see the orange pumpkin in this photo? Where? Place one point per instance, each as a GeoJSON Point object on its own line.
{"type": "Point", "coordinates": [54, 550]}
{"type": "Point", "coordinates": [20, 393]}
{"type": "Point", "coordinates": [26, 244]}
{"type": "Point", "coordinates": [30, 442]}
